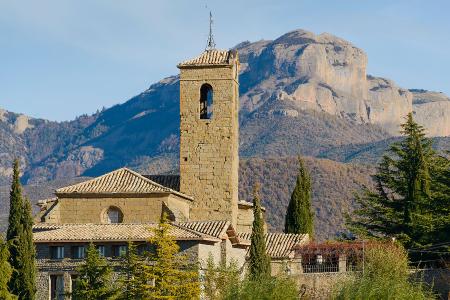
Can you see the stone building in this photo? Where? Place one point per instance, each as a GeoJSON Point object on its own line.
{"type": "Point", "coordinates": [207, 218]}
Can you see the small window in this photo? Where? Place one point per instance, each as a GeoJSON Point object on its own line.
{"type": "Point", "coordinates": [206, 101]}
{"type": "Point", "coordinates": [78, 252]}
{"type": "Point", "coordinates": [112, 215]}
{"type": "Point", "coordinates": [57, 252]}
{"type": "Point", "coordinates": [101, 250]}
{"type": "Point", "coordinates": [119, 250]}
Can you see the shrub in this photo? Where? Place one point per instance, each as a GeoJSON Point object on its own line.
{"type": "Point", "coordinates": [385, 276]}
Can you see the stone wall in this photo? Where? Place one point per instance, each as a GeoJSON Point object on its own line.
{"type": "Point", "coordinates": [319, 285]}
{"type": "Point", "coordinates": [143, 209]}
{"type": "Point", "coordinates": [209, 147]}
{"type": "Point", "coordinates": [245, 218]}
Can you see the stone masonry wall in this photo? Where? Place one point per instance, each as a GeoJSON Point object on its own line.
{"type": "Point", "coordinates": [209, 148]}
{"type": "Point", "coordinates": [90, 210]}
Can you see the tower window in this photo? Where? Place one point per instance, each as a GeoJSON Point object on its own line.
{"type": "Point", "coordinates": [206, 101]}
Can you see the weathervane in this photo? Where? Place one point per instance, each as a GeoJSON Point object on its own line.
{"type": "Point", "coordinates": [210, 45]}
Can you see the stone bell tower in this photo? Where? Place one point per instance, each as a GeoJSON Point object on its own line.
{"type": "Point", "coordinates": [209, 134]}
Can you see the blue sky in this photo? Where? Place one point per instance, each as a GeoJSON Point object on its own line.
{"type": "Point", "coordinates": [60, 59]}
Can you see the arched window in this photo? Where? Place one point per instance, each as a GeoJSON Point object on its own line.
{"type": "Point", "coordinates": [112, 215]}
{"type": "Point", "coordinates": [206, 101]}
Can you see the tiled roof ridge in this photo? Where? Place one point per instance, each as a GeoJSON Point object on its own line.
{"type": "Point", "coordinates": [210, 57]}
{"type": "Point", "coordinates": [71, 189]}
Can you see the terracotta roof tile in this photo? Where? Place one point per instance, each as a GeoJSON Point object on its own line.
{"type": "Point", "coordinates": [123, 181]}
{"type": "Point", "coordinates": [211, 57]}
{"type": "Point", "coordinates": [216, 229]}
{"type": "Point", "coordinates": [109, 232]}
{"type": "Point", "coordinates": [279, 245]}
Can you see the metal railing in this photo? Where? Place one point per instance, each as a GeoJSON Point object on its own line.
{"type": "Point", "coordinates": [320, 268]}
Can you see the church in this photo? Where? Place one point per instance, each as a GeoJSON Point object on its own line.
{"type": "Point", "coordinates": [206, 215]}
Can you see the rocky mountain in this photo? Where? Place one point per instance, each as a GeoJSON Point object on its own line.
{"type": "Point", "coordinates": [300, 94]}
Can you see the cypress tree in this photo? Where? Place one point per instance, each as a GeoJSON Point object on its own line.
{"type": "Point", "coordinates": [15, 227]}
{"type": "Point", "coordinates": [20, 239]}
{"type": "Point", "coordinates": [5, 272]}
{"type": "Point", "coordinates": [299, 217]}
{"type": "Point", "coordinates": [405, 203]}
{"type": "Point", "coordinates": [259, 264]}
{"type": "Point", "coordinates": [27, 254]}
{"type": "Point", "coordinates": [94, 280]}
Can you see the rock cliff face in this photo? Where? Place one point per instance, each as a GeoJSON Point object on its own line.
{"type": "Point", "coordinates": [322, 73]}
{"type": "Point", "coordinates": [433, 110]}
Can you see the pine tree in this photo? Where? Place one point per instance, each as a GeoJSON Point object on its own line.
{"type": "Point", "coordinates": [5, 272]}
{"type": "Point", "coordinates": [259, 263]}
{"type": "Point", "coordinates": [20, 239]}
{"type": "Point", "coordinates": [94, 279]}
{"type": "Point", "coordinates": [440, 206]}
{"type": "Point", "coordinates": [132, 278]}
{"type": "Point", "coordinates": [404, 203]}
{"type": "Point", "coordinates": [169, 275]}
{"type": "Point", "coordinates": [299, 217]}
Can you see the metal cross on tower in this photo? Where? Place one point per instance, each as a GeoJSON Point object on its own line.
{"type": "Point", "coordinates": [210, 45]}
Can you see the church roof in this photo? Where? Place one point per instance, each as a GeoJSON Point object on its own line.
{"type": "Point", "coordinates": [279, 245]}
{"type": "Point", "coordinates": [121, 181]}
{"type": "Point", "coordinates": [46, 232]}
{"type": "Point", "coordinates": [211, 57]}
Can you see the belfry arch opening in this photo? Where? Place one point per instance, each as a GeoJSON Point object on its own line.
{"type": "Point", "coordinates": [206, 101]}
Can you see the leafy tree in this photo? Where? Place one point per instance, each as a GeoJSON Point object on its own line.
{"type": "Point", "coordinates": [169, 275]}
{"type": "Point", "coordinates": [132, 278]}
{"type": "Point", "coordinates": [259, 262]}
{"type": "Point", "coordinates": [386, 276]}
{"type": "Point", "coordinates": [407, 203]}
{"type": "Point", "coordinates": [20, 239]}
{"type": "Point", "coordinates": [218, 280]}
{"type": "Point", "coordinates": [94, 280]}
{"type": "Point", "coordinates": [299, 217]}
{"type": "Point", "coordinates": [5, 272]}
{"type": "Point", "coordinates": [223, 282]}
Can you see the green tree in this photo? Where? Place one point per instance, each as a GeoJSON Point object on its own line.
{"type": "Point", "coordinates": [169, 275]}
{"type": "Point", "coordinates": [259, 261]}
{"type": "Point", "coordinates": [27, 254]}
{"type": "Point", "coordinates": [132, 278]}
{"type": "Point", "coordinates": [219, 279]}
{"type": "Point", "coordinates": [440, 206]}
{"type": "Point", "coordinates": [386, 276]}
{"type": "Point", "coordinates": [405, 201]}
{"type": "Point", "coordinates": [20, 239]}
{"type": "Point", "coordinates": [299, 217]}
{"type": "Point", "coordinates": [94, 279]}
{"type": "Point", "coordinates": [5, 272]}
